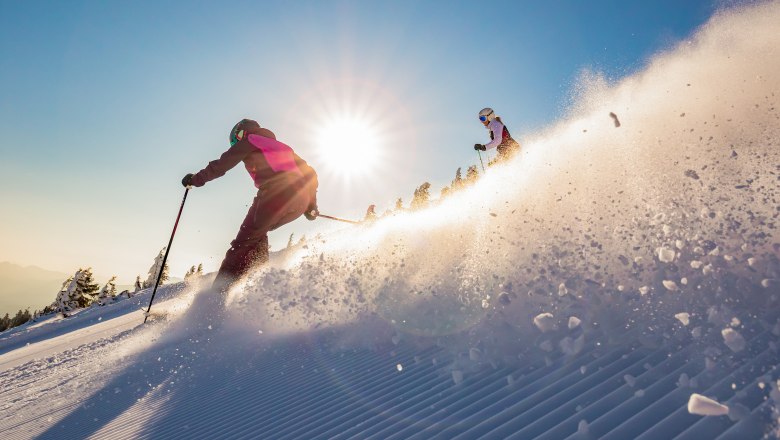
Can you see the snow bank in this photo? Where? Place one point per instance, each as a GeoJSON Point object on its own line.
{"type": "Point", "coordinates": [622, 227]}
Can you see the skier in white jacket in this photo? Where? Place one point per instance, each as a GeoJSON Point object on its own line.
{"type": "Point", "coordinates": [500, 139]}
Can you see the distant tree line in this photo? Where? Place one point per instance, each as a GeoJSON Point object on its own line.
{"type": "Point", "coordinates": [80, 291]}
{"type": "Point", "coordinates": [422, 194]}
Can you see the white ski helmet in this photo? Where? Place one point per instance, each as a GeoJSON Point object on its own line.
{"type": "Point", "coordinates": [486, 114]}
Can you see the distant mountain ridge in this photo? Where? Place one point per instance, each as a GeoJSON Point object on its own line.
{"type": "Point", "coordinates": [27, 286]}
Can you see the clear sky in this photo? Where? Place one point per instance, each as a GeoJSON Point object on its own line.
{"type": "Point", "coordinates": [105, 105]}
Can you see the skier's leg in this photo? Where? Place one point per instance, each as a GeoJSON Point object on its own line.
{"type": "Point", "coordinates": [272, 208]}
{"type": "Point", "coordinates": [249, 246]}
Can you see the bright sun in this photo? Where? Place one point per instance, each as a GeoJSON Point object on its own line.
{"type": "Point", "coordinates": [349, 146]}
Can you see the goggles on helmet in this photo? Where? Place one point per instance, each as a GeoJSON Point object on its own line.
{"type": "Point", "coordinates": [482, 118]}
{"type": "Point", "coordinates": [236, 137]}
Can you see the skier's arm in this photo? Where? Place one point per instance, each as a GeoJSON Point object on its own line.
{"type": "Point", "coordinates": [310, 177]}
{"type": "Point", "coordinates": [497, 129]}
{"type": "Point", "coordinates": [218, 168]}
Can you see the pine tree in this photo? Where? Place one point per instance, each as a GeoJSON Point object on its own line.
{"type": "Point", "coordinates": [199, 272]}
{"type": "Point", "coordinates": [5, 322]}
{"type": "Point", "coordinates": [399, 205]}
{"type": "Point", "coordinates": [62, 303]}
{"type": "Point", "coordinates": [155, 270]}
{"type": "Point", "coordinates": [108, 292]}
{"type": "Point", "coordinates": [421, 196]}
{"type": "Point", "coordinates": [290, 240]}
{"type": "Point", "coordinates": [87, 288]}
{"type": "Point", "coordinates": [444, 192]}
{"type": "Point", "coordinates": [370, 214]}
{"type": "Point", "coordinates": [137, 284]}
{"type": "Point", "coordinates": [190, 273]}
{"type": "Point", "coordinates": [77, 291]}
{"type": "Point", "coordinates": [472, 174]}
{"type": "Point", "coordinates": [457, 183]}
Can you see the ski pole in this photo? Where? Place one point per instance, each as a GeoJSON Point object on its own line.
{"type": "Point", "coordinates": [338, 219]}
{"type": "Point", "coordinates": [168, 249]}
{"type": "Point", "coordinates": [480, 160]}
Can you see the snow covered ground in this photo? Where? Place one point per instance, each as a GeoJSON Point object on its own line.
{"type": "Point", "coordinates": [616, 282]}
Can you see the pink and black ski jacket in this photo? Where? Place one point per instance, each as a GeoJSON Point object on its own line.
{"type": "Point", "coordinates": [268, 161]}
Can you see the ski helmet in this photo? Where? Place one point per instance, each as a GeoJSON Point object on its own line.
{"type": "Point", "coordinates": [240, 130]}
{"type": "Point", "coordinates": [486, 114]}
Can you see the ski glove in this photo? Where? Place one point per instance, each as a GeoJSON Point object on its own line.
{"type": "Point", "coordinates": [311, 212]}
{"type": "Point", "coordinates": [480, 147]}
{"type": "Point", "coordinates": [187, 180]}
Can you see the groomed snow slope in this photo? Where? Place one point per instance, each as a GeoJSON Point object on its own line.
{"type": "Point", "coordinates": [589, 288]}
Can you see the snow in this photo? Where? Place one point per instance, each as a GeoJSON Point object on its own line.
{"type": "Point", "coordinates": [733, 340]}
{"type": "Point", "coordinates": [665, 255]}
{"type": "Point", "coordinates": [683, 317]}
{"type": "Point", "coordinates": [544, 322]}
{"type": "Point", "coordinates": [474, 290]}
{"type": "Point", "coordinates": [704, 406]}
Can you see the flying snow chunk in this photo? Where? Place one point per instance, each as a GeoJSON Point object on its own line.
{"type": "Point", "coordinates": [733, 340]}
{"type": "Point", "coordinates": [643, 290]}
{"type": "Point", "coordinates": [582, 427]}
{"type": "Point", "coordinates": [544, 322]}
{"type": "Point", "coordinates": [670, 285]}
{"type": "Point", "coordinates": [574, 322]}
{"type": "Point", "coordinates": [684, 381]}
{"type": "Point", "coordinates": [704, 406]}
{"type": "Point", "coordinates": [571, 346]}
{"type": "Point", "coordinates": [562, 290]}
{"type": "Point", "coordinates": [630, 380]}
{"type": "Point", "coordinates": [457, 376]}
{"type": "Point", "coordinates": [666, 255]}
{"type": "Point", "coordinates": [683, 317]}
{"type": "Point", "coordinates": [399, 367]}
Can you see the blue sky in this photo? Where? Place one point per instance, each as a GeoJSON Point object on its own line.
{"type": "Point", "coordinates": [105, 105]}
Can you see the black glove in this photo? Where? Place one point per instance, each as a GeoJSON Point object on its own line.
{"type": "Point", "coordinates": [311, 212]}
{"type": "Point", "coordinates": [187, 180]}
{"type": "Point", "coordinates": [480, 147]}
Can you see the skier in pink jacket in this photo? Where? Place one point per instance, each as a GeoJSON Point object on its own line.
{"type": "Point", "coordinates": [500, 139]}
{"type": "Point", "coordinates": [286, 188]}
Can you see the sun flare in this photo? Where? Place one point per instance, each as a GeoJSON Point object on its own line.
{"type": "Point", "coordinates": [349, 146]}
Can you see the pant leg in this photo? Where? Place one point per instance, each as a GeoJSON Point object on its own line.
{"type": "Point", "coordinates": [273, 207]}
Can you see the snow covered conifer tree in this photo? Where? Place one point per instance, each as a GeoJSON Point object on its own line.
{"type": "Point", "coordinates": [108, 292]}
{"type": "Point", "coordinates": [77, 291]}
{"type": "Point", "coordinates": [457, 183]}
{"type": "Point", "coordinates": [190, 273]}
{"type": "Point", "coordinates": [63, 303]}
{"type": "Point", "coordinates": [290, 240]}
{"type": "Point", "coordinates": [472, 174]}
{"type": "Point", "coordinates": [399, 205]}
{"type": "Point", "coordinates": [421, 196]}
{"type": "Point", "coordinates": [199, 272]}
{"type": "Point", "coordinates": [137, 283]}
{"type": "Point", "coordinates": [87, 289]}
{"type": "Point", "coordinates": [155, 270]}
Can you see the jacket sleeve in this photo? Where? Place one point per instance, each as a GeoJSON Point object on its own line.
{"type": "Point", "coordinates": [218, 168]}
{"type": "Point", "coordinates": [310, 177]}
{"type": "Point", "coordinates": [497, 130]}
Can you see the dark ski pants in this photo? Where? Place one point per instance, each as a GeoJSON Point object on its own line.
{"type": "Point", "coordinates": [507, 150]}
{"type": "Point", "coordinates": [275, 205]}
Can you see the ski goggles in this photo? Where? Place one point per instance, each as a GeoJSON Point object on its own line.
{"type": "Point", "coordinates": [236, 137]}
{"type": "Point", "coordinates": [482, 118]}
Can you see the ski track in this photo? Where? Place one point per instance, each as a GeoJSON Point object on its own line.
{"type": "Point", "coordinates": [456, 321]}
